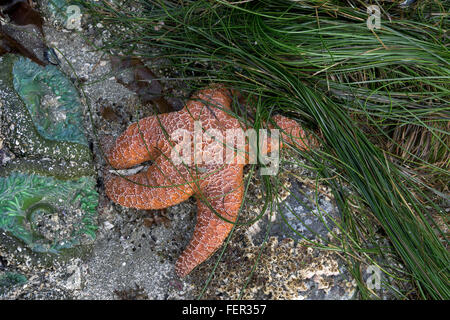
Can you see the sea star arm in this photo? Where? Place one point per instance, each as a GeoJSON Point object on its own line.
{"type": "Point", "coordinates": [210, 99]}
{"type": "Point", "coordinates": [290, 133]}
{"type": "Point", "coordinates": [161, 186]}
{"type": "Point", "coordinates": [223, 191]}
{"type": "Point", "coordinates": [142, 141]}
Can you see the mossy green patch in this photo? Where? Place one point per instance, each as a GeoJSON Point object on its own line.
{"type": "Point", "coordinates": [24, 137]}
{"type": "Point", "coordinates": [51, 99]}
{"type": "Point", "coordinates": [46, 213]}
{"type": "Point", "coordinates": [48, 198]}
{"type": "Point", "coordinates": [58, 8]}
{"type": "Point", "coordinates": [10, 279]}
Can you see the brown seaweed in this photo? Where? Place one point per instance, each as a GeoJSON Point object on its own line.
{"type": "Point", "coordinates": [142, 81]}
{"type": "Point", "coordinates": [21, 13]}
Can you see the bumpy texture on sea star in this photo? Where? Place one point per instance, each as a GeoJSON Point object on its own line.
{"type": "Point", "coordinates": [217, 186]}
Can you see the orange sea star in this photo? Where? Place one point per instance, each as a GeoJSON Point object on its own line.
{"type": "Point", "coordinates": [217, 186]}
